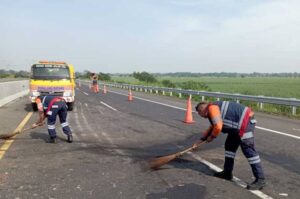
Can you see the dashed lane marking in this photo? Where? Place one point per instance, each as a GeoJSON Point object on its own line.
{"type": "Point", "coordinates": [151, 101]}
{"type": "Point", "coordinates": [8, 143]}
{"type": "Point", "coordinates": [112, 108]}
{"type": "Point", "coordinates": [84, 92]}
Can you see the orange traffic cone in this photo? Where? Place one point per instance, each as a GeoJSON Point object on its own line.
{"type": "Point", "coordinates": [189, 114]}
{"type": "Point", "coordinates": [104, 89]}
{"type": "Point", "coordinates": [129, 95]}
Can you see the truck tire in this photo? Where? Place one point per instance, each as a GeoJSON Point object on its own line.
{"type": "Point", "coordinates": [34, 107]}
{"type": "Point", "coordinates": [70, 106]}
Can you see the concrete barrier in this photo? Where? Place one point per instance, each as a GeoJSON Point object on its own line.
{"type": "Point", "coordinates": [12, 90]}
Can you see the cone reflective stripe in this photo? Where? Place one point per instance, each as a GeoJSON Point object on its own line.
{"type": "Point", "coordinates": [104, 89]}
{"type": "Point", "coordinates": [189, 115]}
{"type": "Point", "coordinates": [129, 95]}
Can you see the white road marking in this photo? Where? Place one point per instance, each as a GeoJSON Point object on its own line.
{"type": "Point", "coordinates": [85, 93]}
{"type": "Point", "coordinates": [278, 132]}
{"type": "Point", "coordinates": [152, 101]}
{"type": "Point", "coordinates": [261, 128]}
{"type": "Point", "coordinates": [112, 108]}
{"type": "Point", "coordinates": [235, 179]}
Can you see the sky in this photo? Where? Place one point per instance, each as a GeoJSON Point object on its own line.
{"type": "Point", "coordinates": [156, 36]}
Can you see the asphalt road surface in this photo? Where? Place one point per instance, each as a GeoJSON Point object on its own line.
{"type": "Point", "coordinates": [114, 138]}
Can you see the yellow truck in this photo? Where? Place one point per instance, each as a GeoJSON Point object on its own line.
{"type": "Point", "coordinates": [52, 78]}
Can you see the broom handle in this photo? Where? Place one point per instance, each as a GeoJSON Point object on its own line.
{"type": "Point", "coordinates": [191, 148]}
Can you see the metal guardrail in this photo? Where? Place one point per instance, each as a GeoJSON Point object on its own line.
{"type": "Point", "coordinates": [293, 102]}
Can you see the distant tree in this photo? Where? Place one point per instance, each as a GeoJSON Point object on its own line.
{"type": "Point", "coordinates": [104, 76]}
{"type": "Point", "coordinates": [144, 77]}
{"type": "Point", "coordinates": [168, 83]}
{"type": "Point", "coordinates": [78, 75]}
{"type": "Point", "coordinates": [87, 74]}
{"type": "Point", "coordinates": [22, 74]}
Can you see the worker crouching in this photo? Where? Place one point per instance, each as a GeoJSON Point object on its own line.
{"type": "Point", "coordinates": [238, 122]}
{"type": "Point", "coordinates": [51, 106]}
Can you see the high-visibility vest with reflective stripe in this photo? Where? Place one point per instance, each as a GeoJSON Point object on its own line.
{"type": "Point", "coordinates": [46, 101]}
{"type": "Point", "coordinates": [233, 115]}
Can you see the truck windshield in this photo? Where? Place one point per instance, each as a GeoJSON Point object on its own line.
{"type": "Point", "coordinates": [50, 72]}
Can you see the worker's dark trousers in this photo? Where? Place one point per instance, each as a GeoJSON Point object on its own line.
{"type": "Point", "coordinates": [247, 145]}
{"type": "Point", "coordinates": [58, 108]}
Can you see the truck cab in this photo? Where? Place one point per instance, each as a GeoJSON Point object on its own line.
{"type": "Point", "coordinates": [52, 78]}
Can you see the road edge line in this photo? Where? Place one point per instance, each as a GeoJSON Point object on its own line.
{"type": "Point", "coordinates": [5, 146]}
{"type": "Point", "coordinates": [236, 180]}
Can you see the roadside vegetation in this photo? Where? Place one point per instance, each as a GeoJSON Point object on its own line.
{"type": "Point", "coordinates": [87, 74]}
{"type": "Point", "coordinates": [13, 74]}
{"type": "Point", "coordinates": [285, 85]}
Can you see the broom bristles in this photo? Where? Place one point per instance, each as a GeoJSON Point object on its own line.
{"type": "Point", "coordinates": [158, 162]}
{"type": "Point", "coordinates": [9, 135]}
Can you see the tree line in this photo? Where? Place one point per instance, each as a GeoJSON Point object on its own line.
{"type": "Point", "coordinates": [87, 74]}
{"type": "Point", "coordinates": [14, 74]}
{"type": "Point", "coordinates": [150, 77]}
{"type": "Point", "coordinates": [226, 74]}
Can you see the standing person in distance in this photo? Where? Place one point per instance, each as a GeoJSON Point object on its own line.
{"type": "Point", "coordinates": [94, 79]}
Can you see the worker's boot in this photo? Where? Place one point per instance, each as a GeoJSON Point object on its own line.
{"type": "Point", "coordinates": [257, 184]}
{"type": "Point", "coordinates": [70, 138]}
{"type": "Point", "coordinates": [52, 140]}
{"type": "Point", "coordinates": [224, 175]}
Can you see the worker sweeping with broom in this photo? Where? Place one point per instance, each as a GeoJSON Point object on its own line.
{"type": "Point", "coordinates": [238, 122]}
{"type": "Point", "coordinates": [50, 106]}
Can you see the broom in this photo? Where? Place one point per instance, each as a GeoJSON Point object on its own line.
{"type": "Point", "coordinates": [9, 135]}
{"type": "Point", "coordinates": [158, 162]}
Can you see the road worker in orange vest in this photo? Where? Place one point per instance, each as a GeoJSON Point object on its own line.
{"type": "Point", "coordinates": [94, 79]}
{"type": "Point", "coordinates": [238, 122]}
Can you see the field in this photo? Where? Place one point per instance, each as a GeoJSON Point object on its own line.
{"type": "Point", "coordinates": [266, 86]}
{"type": "Point", "coordinates": [283, 87]}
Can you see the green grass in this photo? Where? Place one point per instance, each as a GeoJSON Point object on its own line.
{"type": "Point", "coordinates": [284, 87]}
{"type": "Point", "coordinates": [266, 86]}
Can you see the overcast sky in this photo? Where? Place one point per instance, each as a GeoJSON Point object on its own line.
{"type": "Point", "coordinates": [123, 36]}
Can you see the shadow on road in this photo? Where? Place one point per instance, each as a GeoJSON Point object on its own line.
{"type": "Point", "coordinates": [28, 108]}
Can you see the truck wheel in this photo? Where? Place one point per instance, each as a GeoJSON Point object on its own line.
{"type": "Point", "coordinates": [34, 106]}
{"type": "Point", "coordinates": [70, 106]}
